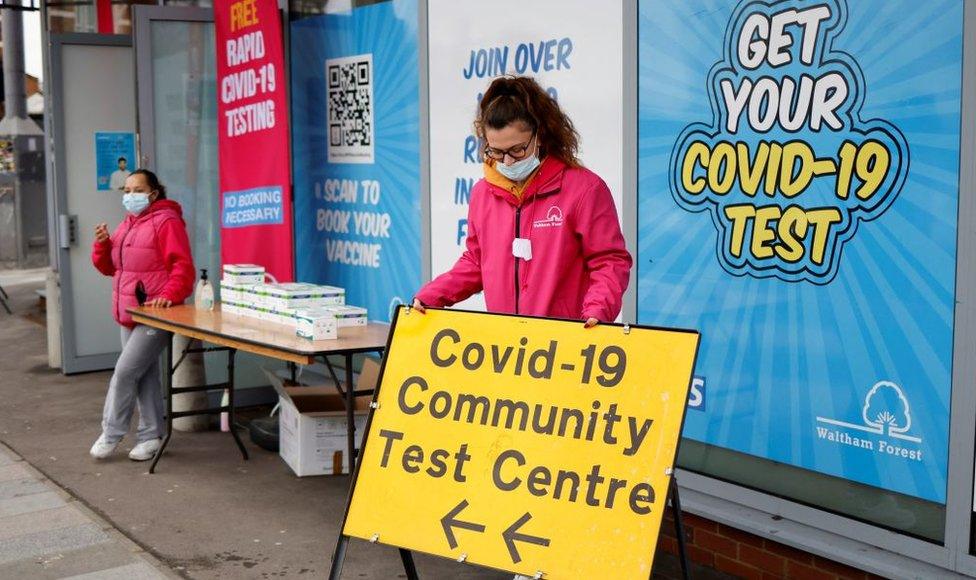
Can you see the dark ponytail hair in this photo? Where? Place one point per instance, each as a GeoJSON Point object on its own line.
{"type": "Point", "coordinates": [511, 98]}
{"type": "Point", "coordinates": [152, 181]}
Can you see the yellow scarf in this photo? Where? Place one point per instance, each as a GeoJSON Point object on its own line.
{"type": "Point", "coordinates": [494, 177]}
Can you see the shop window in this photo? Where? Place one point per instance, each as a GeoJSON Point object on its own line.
{"type": "Point", "coordinates": [71, 16]}
{"type": "Point", "coordinates": [122, 14]}
{"type": "Point", "coordinates": [196, 3]}
{"type": "Point", "coordinates": [895, 511]}
{"type": "Point", "coordinates": [299, 9]}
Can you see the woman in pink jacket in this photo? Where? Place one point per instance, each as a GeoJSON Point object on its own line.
{"type": "Point", "coordinates": [148, 258]}
{"type": "Point", "coordinates": [543, 234]}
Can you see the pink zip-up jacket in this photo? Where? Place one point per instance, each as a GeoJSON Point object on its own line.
{"type": "Point", "coordinates": [152, 248]}
{"type": "Point", "coordinates": [580, 266]}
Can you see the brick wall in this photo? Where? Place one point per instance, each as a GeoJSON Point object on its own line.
{"type": "Point", "coordinates": [742, 554]}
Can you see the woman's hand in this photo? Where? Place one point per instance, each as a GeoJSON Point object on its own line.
{"type": "Point", "coordinates": [101, 233]}
{"type": "Point", "coordinates": [590, 323]}
{"type": "Point", "coordinates": [159, 303]}
{"type": "Point", "coordinates": [418, 306]}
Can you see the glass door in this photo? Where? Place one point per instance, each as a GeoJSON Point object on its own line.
{"type": "Point", "coordinates": [177, 112]}
{"type": "Point", "coordinates": [178, 116]}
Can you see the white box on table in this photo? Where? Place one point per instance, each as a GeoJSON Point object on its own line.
{"type": "Point", "coordinates": [287, 318]}
{"type": "Point", "coordinates": [296, 295]}
{"type": "Point", "coordinates": [250, 311]}
{"type": "Point", "coordinates": [327, 296]}
{"type": "Point", "coordinates": [233, 292]}
{"type": "Point", "coordinates": [316, 324]}
{"type": "Point", "coordinates": [243, 274]}
{"type": "Point", "coordinates": [258, 295]}
{"type": "Point", "coordinates": [348, 316]}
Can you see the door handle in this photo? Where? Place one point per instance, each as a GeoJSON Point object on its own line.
{"type": "Point", "coordinates": [67, 231]}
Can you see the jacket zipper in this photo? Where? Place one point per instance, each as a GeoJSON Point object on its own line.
{"type": "Point", "coordinates": [118, 287]}
{"type": "Point", "coordinates": [518, 233]}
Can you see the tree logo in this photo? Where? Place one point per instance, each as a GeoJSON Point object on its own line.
{"type": "Point", "coordinates": [885, 412]}
{"type": "Point", "coordinates": [886, 408]}
{"type": "Point", "coordinates": [554, 217]}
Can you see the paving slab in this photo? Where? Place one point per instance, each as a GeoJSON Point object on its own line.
{"type": "Point", "coordinates": [30, 503]}
{"type": "Point", "coordinates": [139, 571]}
{"type": "Point", "coordinates": [68, 563]}
{"type": "Point", "coordinates": [6, 459]}
{"type": "Point", "coordinates": [51, 541]}
{"type": "Point", "coordinates": [42, 521]}
{"type": "Point", "coordinates": [21, 488]}
{"type": "Point", "coordinates": [15, 470]}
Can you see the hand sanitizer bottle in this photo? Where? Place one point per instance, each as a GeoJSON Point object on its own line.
{"type": "Point", "coordinates": [203, 296]}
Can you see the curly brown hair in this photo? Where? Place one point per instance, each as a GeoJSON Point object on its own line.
{"type": "Point", "coordinates": [512, 98]}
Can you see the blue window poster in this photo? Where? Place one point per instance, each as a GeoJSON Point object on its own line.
{"type": "Point", "coordinates": [356, 149]}
{"type": "Point", "coordinates": [115, 159]}
{"type": "Point", "coordinates": [797, 203]}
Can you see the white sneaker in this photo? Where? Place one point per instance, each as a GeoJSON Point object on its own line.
{"type": "Point", "coordinates": [145, 450]}
{"type": "Point", "coordinates": [102, 447]}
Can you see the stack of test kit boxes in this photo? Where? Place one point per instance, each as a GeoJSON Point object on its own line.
{"type": "Point", "coordinates": [314, 312]}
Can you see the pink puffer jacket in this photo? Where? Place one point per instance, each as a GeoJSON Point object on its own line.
{"type": "Point", "coordinates": [153, 248]}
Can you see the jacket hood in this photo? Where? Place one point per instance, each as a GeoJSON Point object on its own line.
{"type": "Point", "coordinates": [158, 207]}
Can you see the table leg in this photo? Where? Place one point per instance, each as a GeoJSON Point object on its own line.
{"type": "Point", "coordinates": [350, 414]}
{"type": "Point", "coordinates": [168, 377]}
{"type": "Point", "coordinates": [230, 401]}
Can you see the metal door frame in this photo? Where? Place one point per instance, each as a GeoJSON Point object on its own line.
{"type": "Point", "coordinates": [70, 361]}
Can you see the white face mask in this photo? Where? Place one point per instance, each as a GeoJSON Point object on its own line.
{"type": "Point", "coordinates": [519, 170]}
{"type": "Point", "coordinates": [135, 203]}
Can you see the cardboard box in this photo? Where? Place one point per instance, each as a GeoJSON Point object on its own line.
{"type": "Point", "coordinates": [243, 274]}
{"type": "Point", "coordinates": [312, 428]}
{"type": "Point", "coordinates": [312, 422]}
{"type": "Point", "coordinates": [316, 324]}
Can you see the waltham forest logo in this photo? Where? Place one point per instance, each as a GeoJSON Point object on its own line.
{"type": "Point", "coordinates": [788, 167]}
{"type": "Point", "coordinates": [886, 419]}
{"type": "Point", "coordinates": [554, 218]}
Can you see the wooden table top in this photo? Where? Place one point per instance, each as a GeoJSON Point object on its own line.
{"type": "Point", "coordinates": [259, 336]}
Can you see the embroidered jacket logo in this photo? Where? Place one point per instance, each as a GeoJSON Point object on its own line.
{"type": "Point", "coordinates": [554, 218]}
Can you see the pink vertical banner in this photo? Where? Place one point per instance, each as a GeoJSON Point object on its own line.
{"type": "Point", "coordinates": [252, 122]}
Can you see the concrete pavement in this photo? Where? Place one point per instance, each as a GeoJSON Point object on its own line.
{"type": "Point", "coordinates": [46, 533]}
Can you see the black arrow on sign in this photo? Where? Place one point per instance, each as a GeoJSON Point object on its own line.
{"type": "Point", "coordinates": [450, 521]}
{"type": "Point", "coordinates": [511, 536]}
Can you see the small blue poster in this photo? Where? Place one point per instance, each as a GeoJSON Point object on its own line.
{"type": "Point", "coordinates": [115, 159]}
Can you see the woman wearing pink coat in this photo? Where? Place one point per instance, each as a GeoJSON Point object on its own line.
{"type": "Point", "coordinates": [148, 258]}
{"type": "Point", "coordinates": [543, 234]}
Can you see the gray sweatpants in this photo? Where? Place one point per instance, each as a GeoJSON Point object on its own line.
{"type": "Point", "coordinates": [136, 382]}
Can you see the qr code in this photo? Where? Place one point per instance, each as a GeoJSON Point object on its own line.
{"type": "Point", "coordinates": [350, 104]}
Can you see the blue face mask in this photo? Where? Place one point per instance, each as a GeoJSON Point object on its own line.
{"type": "Point", "coordinates": [519, 170]}
{"type": "Point", "coordinates": [135, 203]}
